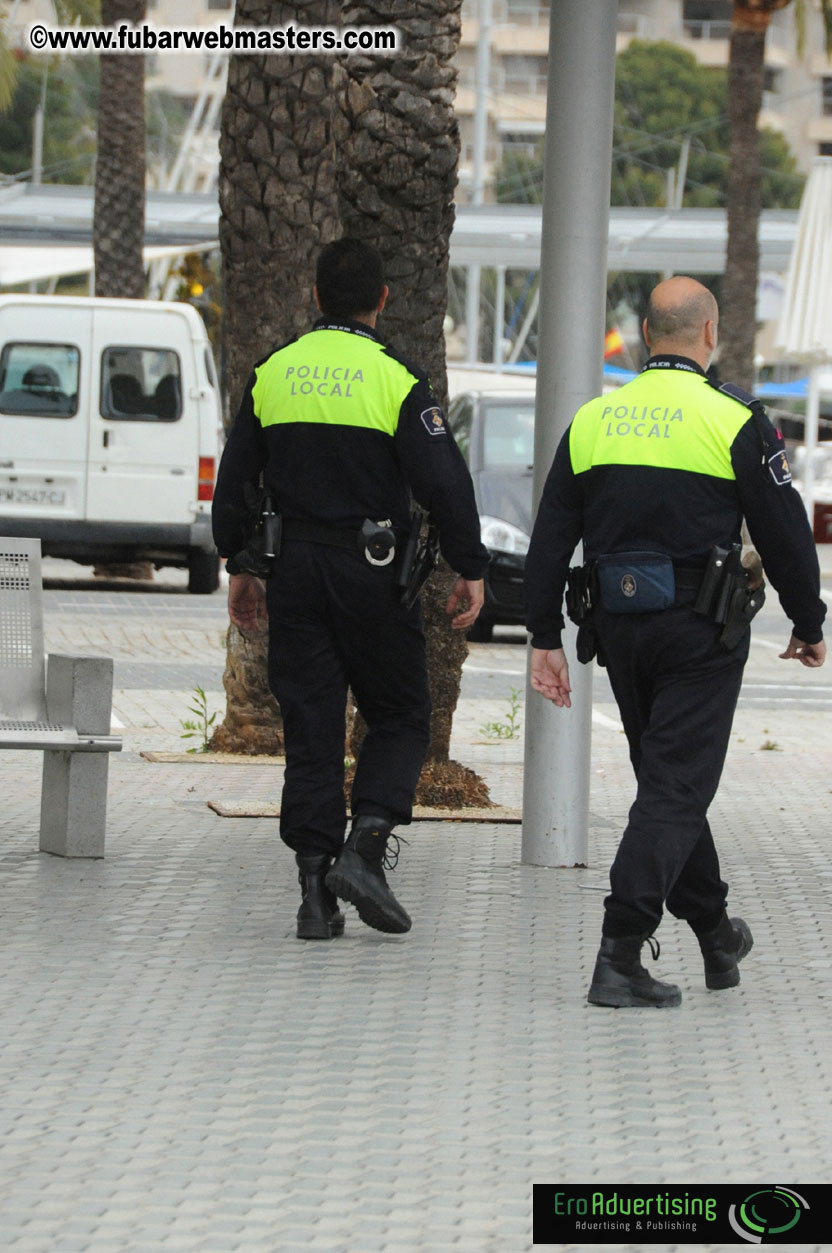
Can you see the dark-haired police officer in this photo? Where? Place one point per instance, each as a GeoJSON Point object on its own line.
{"type": "Point", "coordinates": [668, 466]}
{"type": "Point", "coordinates": [344, 432]}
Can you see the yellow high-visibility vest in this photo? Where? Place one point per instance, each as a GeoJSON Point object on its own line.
{"type": "Point", "coordinates": [668, 419]}
{"type": "Point", "coordinates": [333, 378]}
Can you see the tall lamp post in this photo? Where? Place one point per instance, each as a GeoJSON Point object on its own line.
{"type": "Point", "coordinates": [576, 197]}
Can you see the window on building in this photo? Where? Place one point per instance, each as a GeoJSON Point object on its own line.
{"type": "Point", "coordinates": [825, 150]}
{"type": "Point", "coordinates": [826, 96]}
{"type": "Point", "coordinates": [220, 4]}
{"type": "Point", "coordinates": [527, 12]}
{"type": "Point", "coordinates": [707, 19]}
{"type": "Point", "coordinates": [524, 75]}
{"type": "Point", "coordinates": [522, 143]}
{"type": "Point", "coordinates": [140, 384]}
{"type": "Point", "coordinates": [39, 380]}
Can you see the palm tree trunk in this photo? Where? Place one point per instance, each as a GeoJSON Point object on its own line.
{"type": "Point", "coordinates": [118, 219]}
{"type": "Point", "coordinates": [742, 263]}
{"type": "Point", "coordinates": [397, 181]}
{"type": "Point", "coordinates": [279, 206]}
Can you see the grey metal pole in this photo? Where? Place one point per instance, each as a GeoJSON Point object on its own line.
{"type": "Point", "coordinates": [481, 86]}
{"type": "Point", "coordinates": [576, 195]}
{"type": "Point", "coordinates": [499, 316]}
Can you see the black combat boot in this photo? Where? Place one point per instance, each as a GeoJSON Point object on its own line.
{"type": "Point", "coordinates": [358, 876]}
{"type": "Point", "coordinates": [620, 980]}
{"type": "Point", "coordinates": [723, 948]}
{"type": "Point", "coordinates": [319, 917]}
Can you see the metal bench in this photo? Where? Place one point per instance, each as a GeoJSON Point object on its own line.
{"type": "Point", "coordinates": [67, 717]}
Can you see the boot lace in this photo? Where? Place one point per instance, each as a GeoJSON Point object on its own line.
{"type": "Point", "coordinates": [655, 947]}
{"type": "Point", "coordinates": [391, 856]}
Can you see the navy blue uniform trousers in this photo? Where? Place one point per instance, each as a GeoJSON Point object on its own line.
{"type": "Point", "coordinates": [676, 690]}
{"type": "Point", "coordinates": [335, 622]}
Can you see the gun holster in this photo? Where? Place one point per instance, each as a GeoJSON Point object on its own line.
{"type": "Point", "coordinates": [418, 557]}
{"type": "Point", "coordinates": [263, 546]}
{"type": "Point", "coordinates": [731, 593]}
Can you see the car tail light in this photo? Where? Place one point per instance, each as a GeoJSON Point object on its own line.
{"type": "Point", "coordinates": [205, 483]}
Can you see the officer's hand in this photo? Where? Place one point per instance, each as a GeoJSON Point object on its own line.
{"type": "Point", "coordinates": [550, 675]}
{"type": "Point", "coordinates": [807, 654]}
{"type": "Point", "coordinates": [470, 590]}
{"type": "Point", "coordinates": [246, 601]}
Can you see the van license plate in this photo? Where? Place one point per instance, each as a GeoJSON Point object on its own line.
{"type": "Point", "coordinates": [31, 496]}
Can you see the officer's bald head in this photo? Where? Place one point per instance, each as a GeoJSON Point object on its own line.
{"type": "Point", "coordinates": [682, 317]}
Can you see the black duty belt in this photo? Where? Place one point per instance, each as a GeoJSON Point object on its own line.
{"type": "Point", "coordinates": [375, 540]}
{"type": "Point", "coordinates": [688, 577]}
{"type": "Point", "coordinates": [321, 533]}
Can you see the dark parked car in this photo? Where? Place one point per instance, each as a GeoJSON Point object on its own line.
{"type": "Point", "coordinates": [495, 432]}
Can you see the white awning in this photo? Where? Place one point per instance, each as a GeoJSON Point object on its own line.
{"type": "Point", "coordinates": [27, 263]}
{"type": "Point", "coordinates": [804, 332]}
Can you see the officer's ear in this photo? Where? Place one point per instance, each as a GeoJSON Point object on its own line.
{"type": "Point", "coordinates": [385, 292]}
{"type": "Point", "coordinates": [317, 298]}
{"type": "Point", "coordinates": [644, 333]}
{"type": "Point", "coordinates": [710, 334]}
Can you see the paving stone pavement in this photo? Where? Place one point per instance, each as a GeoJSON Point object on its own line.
{"type": "Point", "coordinates": [177, 1071]}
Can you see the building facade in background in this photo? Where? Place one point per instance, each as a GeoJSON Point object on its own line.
{"type": "Point", "coordinates": [798, 99]}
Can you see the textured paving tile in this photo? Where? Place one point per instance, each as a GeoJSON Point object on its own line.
{"type": "Point", "coordinates": [178, 1072]}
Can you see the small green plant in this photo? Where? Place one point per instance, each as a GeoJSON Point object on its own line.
{"type": "Point", "coordinates": [770, 746]}
{"type": "Point", "coordinates": [509, 729]}
{"type": "Point", "coordinates": [202, 726]}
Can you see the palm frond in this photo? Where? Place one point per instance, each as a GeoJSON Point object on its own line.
{"type": "Point", "coordinates": [8, 70]}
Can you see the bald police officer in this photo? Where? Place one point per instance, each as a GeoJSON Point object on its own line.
{"type": "Point", "coordinates": [345, 432]}
{"type": "Point", "coordinates": [651, 478]}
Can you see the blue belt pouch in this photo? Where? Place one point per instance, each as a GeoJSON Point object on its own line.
{"type": "Point", "coordinates": [636, 582]}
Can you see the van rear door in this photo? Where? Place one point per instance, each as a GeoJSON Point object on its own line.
{"type": "Point", "coordinates": [44, 398]}
{"type": "Point", "coordinates": [144, 427]}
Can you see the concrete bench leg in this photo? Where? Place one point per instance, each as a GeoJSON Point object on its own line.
{"type": "Point", "coordinates": [79, 693]}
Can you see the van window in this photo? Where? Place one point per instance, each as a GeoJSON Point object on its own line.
{"type": "Point", "coordinates": [39, 380]}
{"type": "Point", "coordinates": [508, 436]}
{"type": "Point", "coordinates": [210, 368]}
{"type": "Point", "coordinates": [461, 416]}
{"type": "Point", "coordinates": [140, 384]}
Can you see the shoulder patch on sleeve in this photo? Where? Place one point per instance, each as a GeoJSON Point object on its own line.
{"type": "Point", "coordinates": [735, 392]}
{"type": "Point", "coordinates": [778, 464]}
{"type": "Point", "coordinates": [433, 421]}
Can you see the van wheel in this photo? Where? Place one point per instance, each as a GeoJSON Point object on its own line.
{"type": "Point", "coordinates": [481, 631]}
{"type": "Point", "coordinates": [203, 572]}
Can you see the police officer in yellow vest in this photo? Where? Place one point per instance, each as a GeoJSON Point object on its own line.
{"type": "Point", "coordinates": [345, 433]}
{"type": "Point", "coordinates": [655, 478]}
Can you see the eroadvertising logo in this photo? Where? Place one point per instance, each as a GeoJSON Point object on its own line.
{"type": "Point", "coordinates": [770, 1213]}
{"type": "Point", "coordinates": [684, 1213]}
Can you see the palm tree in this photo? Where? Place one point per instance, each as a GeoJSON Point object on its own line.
{"type": "Point", "coordinates": [281, 123]}
{"type": "Point", "coordinates": [8, 69]}
{"type": "Point", "coordinates": [397, 181]}
{"type": "Point", "coordinates": [750, 22]}
{"type": "Point", "coordinates": [118, 219]}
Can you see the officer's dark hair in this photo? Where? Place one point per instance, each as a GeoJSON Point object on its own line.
{"type": "Point", "coordinates": [349, 278]}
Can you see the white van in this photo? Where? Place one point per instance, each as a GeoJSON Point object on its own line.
{"type": "Point", "coordinates": [109, 427]}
